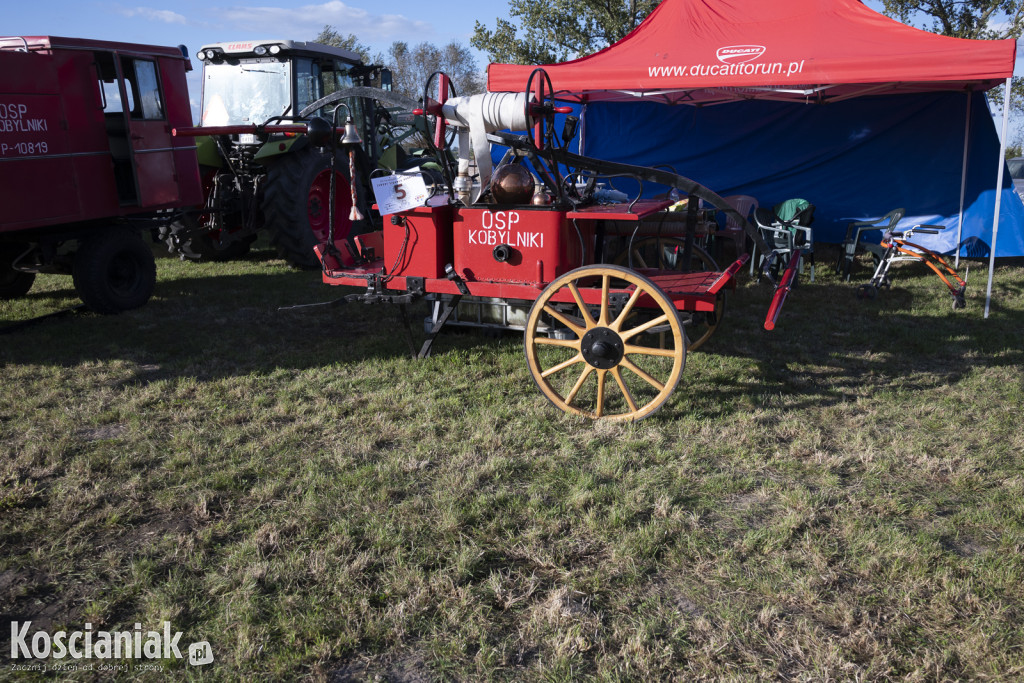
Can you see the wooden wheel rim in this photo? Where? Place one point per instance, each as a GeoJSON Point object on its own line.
{"type": "Point", "coordinates": [612, 381]}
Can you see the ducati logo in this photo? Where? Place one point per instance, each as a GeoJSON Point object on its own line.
{"type": "Point", "coordinates": [738, 54]}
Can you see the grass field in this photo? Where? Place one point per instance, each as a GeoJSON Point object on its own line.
{"type": "Point", "coordinates": [840, 499]}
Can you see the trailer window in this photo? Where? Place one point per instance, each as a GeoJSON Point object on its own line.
{"type": "Point", "coordinates": [112, 96]}
{"type": "Point", "coordinates": [110, 85]}
{"type": "Point", "coordinates": [149, 104]}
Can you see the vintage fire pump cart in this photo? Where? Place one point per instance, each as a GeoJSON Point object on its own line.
{"type": "Point", "coordinates": [602, 340]}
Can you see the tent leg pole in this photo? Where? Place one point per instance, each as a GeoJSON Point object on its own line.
{"type": "Point", "coordinates": [963, 179]}
{"type": "Point", "coordinates": [999, 192]}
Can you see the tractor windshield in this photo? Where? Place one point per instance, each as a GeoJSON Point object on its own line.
{"type": "Point", "coordinates": [245, 93]}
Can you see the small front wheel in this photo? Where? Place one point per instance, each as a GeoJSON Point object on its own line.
{"type": "Point", "coordinates": [603, 353]}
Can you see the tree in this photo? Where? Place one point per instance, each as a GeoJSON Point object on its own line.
{"type": "Point", "coordinates": [328, 36]}
{"type": "Point", "coordinates": [985, 19]}
{"type": "Point", "coordinates": [411, 67]}
{"type": "Point", "coordinates": [557, 30]}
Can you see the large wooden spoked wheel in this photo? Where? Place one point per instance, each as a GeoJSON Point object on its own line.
{"type": "Point", "coordinates": [603, 360]}
{"type": "Point", "coordinates": [664, 253]}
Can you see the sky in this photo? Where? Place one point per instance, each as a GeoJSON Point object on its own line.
{"type": "Point", "coordinates": [195, 23]}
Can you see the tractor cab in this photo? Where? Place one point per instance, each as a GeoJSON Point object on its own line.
{"type": "Point", "coordinates": [252, 82]}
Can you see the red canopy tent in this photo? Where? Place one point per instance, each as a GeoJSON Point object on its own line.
{"type": "Point", "coordinates": [703, 52]}
{"type": "Point", "coordinates": [707, 51]}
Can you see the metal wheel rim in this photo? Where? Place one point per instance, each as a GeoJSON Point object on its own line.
{"type": "Point", "coordinates": [318, 204]}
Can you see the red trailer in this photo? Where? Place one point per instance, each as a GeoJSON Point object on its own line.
{"type": "Point", "coordinates": [88, 162]}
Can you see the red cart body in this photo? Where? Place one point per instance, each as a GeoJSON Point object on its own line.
{"type": "Point", "coordinates": [508, 252]}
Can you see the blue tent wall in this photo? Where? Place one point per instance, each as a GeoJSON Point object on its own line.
{"type": "Point", "coordinates": [854, 160]}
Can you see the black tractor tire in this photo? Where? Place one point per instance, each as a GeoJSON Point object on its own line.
{"type": "Point", "coordinates": [13, 283]}
{"type": "Point", "coordinates": [187, 239]}
{"type": "Point", "coordinates": [295, 202]}
{"type": "Point", "coordinates": [114, 271]}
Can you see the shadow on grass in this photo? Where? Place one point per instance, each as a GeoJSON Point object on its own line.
{"type": "Point", "coordinates": [218, 320]}
{"type": "Point", "coordinates": [829, 347]}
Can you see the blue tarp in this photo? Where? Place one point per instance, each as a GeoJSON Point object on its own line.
{"type": "Point", "coordinates": [854, 160]}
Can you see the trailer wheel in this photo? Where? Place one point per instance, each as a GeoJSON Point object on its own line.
{"type": "Point", "coordinates": [13, 283]}
{"type": "Point", "coordinates": [663, 253]}
{"type": "Point", "coordinates": [598, 359]}
{"type": "Point", "coordinates": [114, 271]}
{"type": "Point", "coordinates": [296, 201]}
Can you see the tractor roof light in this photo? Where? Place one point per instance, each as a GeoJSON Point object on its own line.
{"type": "Point", "coordinates": [260, 50]}
{"type": "Point", "coordinates": [274, 49]}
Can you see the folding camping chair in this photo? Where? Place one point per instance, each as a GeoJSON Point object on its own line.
{"type": "Point", "coordinates": [854, 232]}
{"type": "Point", "coordinates": [786, 229]}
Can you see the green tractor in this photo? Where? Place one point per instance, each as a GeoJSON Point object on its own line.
{"type": "Point", "coordinates": [256, 178]}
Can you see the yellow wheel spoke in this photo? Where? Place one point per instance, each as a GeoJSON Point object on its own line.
{"type": "Point", "coordinates": [629, 334]}
{"type": "Point", "coordinates": [579, 384]}
{"type": "Point", "coordinates": [642, 374]}
{"type": "Point", "coordinates": [633, 298]}
{"type": "Point", "coordinates": [565, 343]}
{"type": "Point", "coordinates": [579, 331]}
{"type": "Point", "coordinates": [625, 391]}
{"type": "Point", "coordinates": [605, 284]}
{"type": "Point", "coordinates": [601, 374]}
{"type": "Point", "coordinates": [650, 351]}
{"type": "Point", "coordinates": [562, 366]}
{"type": "Point", "coordinates": [638, 260]}
{"type": "Point", "coordinates": [587, 318]}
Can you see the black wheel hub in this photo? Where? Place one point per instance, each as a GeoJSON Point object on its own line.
{"type": "Point", "coordinates": [603, 348]}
